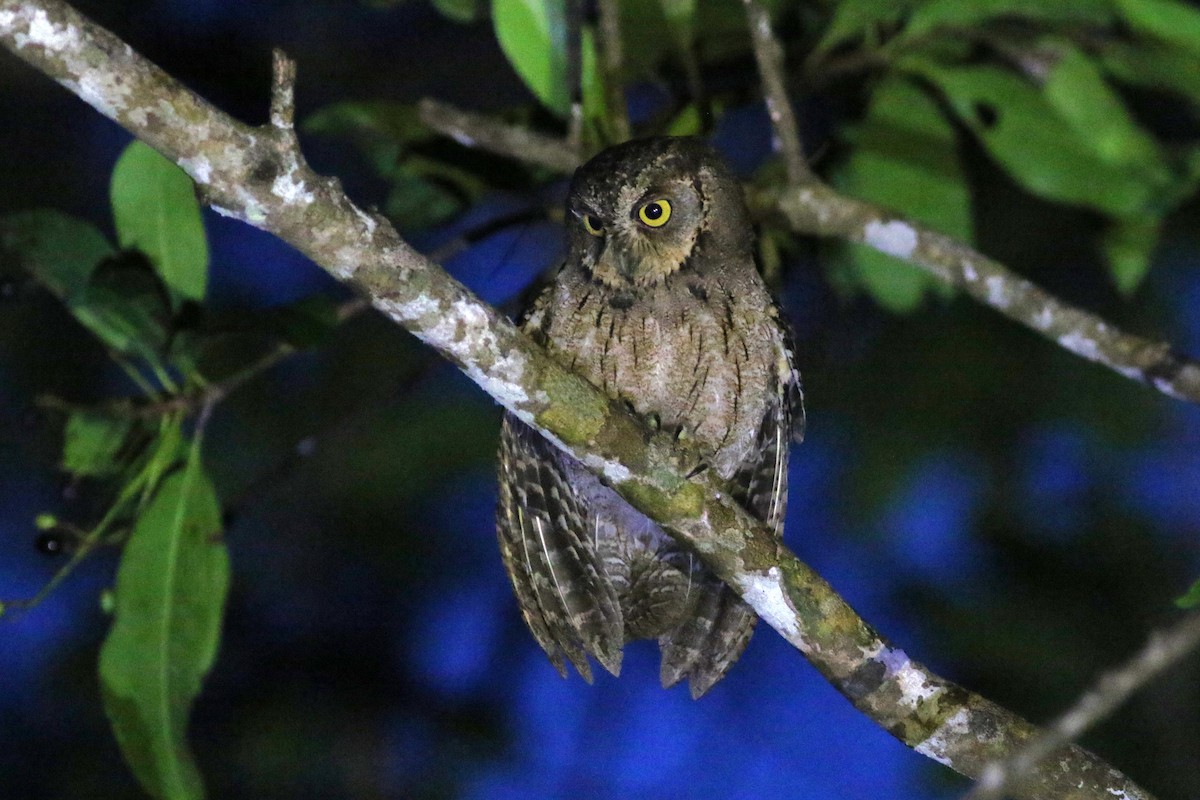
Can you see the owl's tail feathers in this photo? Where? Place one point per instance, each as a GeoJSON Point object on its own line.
{"type": "Point", "coordinates": [709, 642]}
{"type": "Point", "coordinates": [576, 639]}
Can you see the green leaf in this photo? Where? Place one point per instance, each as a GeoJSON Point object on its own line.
{"type": "Point", "coordinates": [686, 122]}
{"type": "Point", "coordinates": [416, 203]}
{"type": "Point", "coordinates": [59, 251]}
{"type": "Point", "coordinates": [1029, 138]}
{"type": "Point", "coordinates": [1076, 89]}
{"type": "Point", "coordinates": [648, 37]}
{"type": "Point", "coordinates": [1168, 20]}
{"type": "Point", "coordinates": [1191, 598]}
{"type": "Point", "coordinates": [858, 19]}
{"type": "Point", "coordinates": [128, 320]}
{"type": "Point", "coordinates": [1128, 246]}
{"type": "Point", "coordinates": [681, 18]}
{"type": "Point", "coordinates": [307, 322]}
{"type": "Point", "coordinates": [533, 36]}
{"type": "Point", "coordinates": [170, 596]}
{"type": "Point", "coordinates": [71, 259]}
{"type": "Point", "coordinates": [971, 13]}
{"type": "Point", "coordinates": [155, 211]}
{"type": "Point", "coordinates": [596, 129]}
{"type": "Point", "coordinates": [905, 157]}
{"type": "Point", "coordinates": [381, 130]}
{"type": "Point", "coordinates": [381, 118]}
{"type": "Point", "coordinates": [1153, 66]}
{"type": "Point", "coordinates": [92, 441]}
{"type": "Point", "coordinates": [460, 10]}
{"type": "Point", "coordinates": [165, 453]}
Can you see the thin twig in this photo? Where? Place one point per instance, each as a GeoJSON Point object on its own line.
{"type": "Point", "coordinates": [769, 55]}
{"type": "Point", "coordinates": [614, 67]}
{"type": "Point", "coordinates": [283, 91]}
{"type": "Point", "coordinates": [514, 141]}
{"type": "Point", "coordinates": [1161, 651]}
{"type": "Point", "coordinates": [208, 394]}
{"type": "Point", "coordinates": [574, 22]}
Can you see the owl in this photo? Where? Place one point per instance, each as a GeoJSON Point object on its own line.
{"type": "Point", "coordinates": [660, 306]}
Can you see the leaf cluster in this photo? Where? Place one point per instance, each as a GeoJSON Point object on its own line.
{"type": "Point", "coordinates": [1063, 97]}
{"type": "Point", "coordinates": [140, 298]}
{"type": "Point", "coordinates": [1071, 100]}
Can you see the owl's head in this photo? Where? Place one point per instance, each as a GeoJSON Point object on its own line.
{"type": "Point", "coordinates": [648, 208]}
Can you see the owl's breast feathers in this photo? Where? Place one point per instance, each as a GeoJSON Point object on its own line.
{"type": "Point", "coordinates": [697, 354]}
{"type": "Point", "coordinates": [699, 349]}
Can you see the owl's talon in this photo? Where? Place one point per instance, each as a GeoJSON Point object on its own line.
{"type": "Point", "coordinates": [696, 470]}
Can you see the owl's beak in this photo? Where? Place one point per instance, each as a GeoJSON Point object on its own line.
{"type": "Point", "coordinates": [614, 260]}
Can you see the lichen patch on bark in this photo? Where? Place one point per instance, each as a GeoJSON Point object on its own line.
{"type": "Point", "coordinates": [937, 745]}
{"type": "Point", "coordinates": [765, 592]}
{"type": "Point", "coordinates": [895, 238]}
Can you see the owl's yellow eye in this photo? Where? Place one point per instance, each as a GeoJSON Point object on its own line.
{"type": "Point", "coordinates": [592, 225]}
{"type": "Point", "coordinates": [655, 213]}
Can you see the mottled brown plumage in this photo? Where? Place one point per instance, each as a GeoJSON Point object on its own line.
{"type": "Point", "coordinates": [659, 304]}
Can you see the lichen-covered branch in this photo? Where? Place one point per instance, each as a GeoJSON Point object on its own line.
{"type": "Point", "coordinates": [817, 209]}
{"type": "Point", "coordinates": [1161, 651]}
{"type": "Point", "coordinates": [813, 208]}
{"type": "Point", "coordinates": [257, 174]}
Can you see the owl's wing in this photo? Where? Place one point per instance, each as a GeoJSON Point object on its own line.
{"type": "Point", "coordinates": [555, 570]}
{"type": "Point", "coordinates": [707, 645]}
{"type": "Point", "coordinates": [760, 486]}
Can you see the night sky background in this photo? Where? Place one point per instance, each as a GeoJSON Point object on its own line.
{"type": "Point", "coordinates": [1012, 516]}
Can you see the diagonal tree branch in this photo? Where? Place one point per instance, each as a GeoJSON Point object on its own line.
{"type": "Point", "coordinates": [256, 174]}
{"type": "Point", "coordinates": [1161, 651]}
{"type": "Point", "coordinates": [768, 52]}
{"type": "Point", "coordinates": [816, 208]}
{"type": "Point", "coordinates": [809, 206]}
{"type": "Point", "coordinates": [514, 141]}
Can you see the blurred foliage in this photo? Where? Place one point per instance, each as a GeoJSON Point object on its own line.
{"type": "Point", "coordinates": [1034, 85]}
{"type": "Point", "coordinates": [1061, 136]}
{"type": "Point", "coordinates": [173, 577]}
{"type": "Point", "coordinates": [904, 157]}
{"type": "Point", "coordinates": [1045, 89]}
{"type": "Point", "coordinates": [164, 513]}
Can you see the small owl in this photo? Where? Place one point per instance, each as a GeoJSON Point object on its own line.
{"type": "Point", "coordinates": [659, 305]}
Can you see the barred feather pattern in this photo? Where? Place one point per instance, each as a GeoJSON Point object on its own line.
{"type": "Point", "coordinates": [697, 347]}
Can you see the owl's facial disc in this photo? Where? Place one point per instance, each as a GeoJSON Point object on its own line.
{"type": "Point", "coordinates": [649, 236]}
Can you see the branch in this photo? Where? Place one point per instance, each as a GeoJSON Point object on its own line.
{"type": "Point", "coordinates": [514, 141]}
{"type": "Point", "coordinates": [811, 207]}
{"type": "Point", "coordinates": [614, 86]}
{"type": "Point", "coordinates": [818, 209]}
{"type": "Point", "coordinates": [257, 174]}
{"type": "Point", "coordinates": [769, 55]}
{"type": "Point", "coordinates": [1114, 688]}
